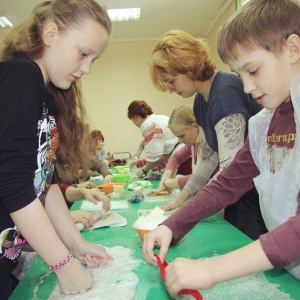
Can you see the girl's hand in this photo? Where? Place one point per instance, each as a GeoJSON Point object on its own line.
{"type": "Point", "coordinates": [91, 254]}
{"type": "Point", "coordinates": [83, 217]}
{"type": "Point", "coordinates": [86, 185]}
{"type": "Point", "coordinates": [185, 273]}
{"type": "Point", "coordinates": [95, 196]}
{"type": "Point", "coordinates": [108, 178]}
{"type": "Point", "coordinates": [73, 278]}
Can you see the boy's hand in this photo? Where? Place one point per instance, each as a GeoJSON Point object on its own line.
{"type": "Point", "coordinates": [162, 237]}
{"type": "Point", "coordinates": [185, 273]}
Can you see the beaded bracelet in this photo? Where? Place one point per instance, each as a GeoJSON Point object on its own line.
{"type": "Point", "coordinates": [61, 264]}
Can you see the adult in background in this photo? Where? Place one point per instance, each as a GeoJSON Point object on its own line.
{"type": "Point", "coordinates": [159, 141]}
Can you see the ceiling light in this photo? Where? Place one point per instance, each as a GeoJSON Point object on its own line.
{"type": "Point", "coordinates": [124, 14]}
{"type": "Point", "coordinates": [4, 22]}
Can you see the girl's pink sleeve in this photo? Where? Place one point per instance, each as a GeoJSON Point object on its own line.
{"type": "Point", "coordinates": [183, 180]}
{"type": "Point", "coordinates": [178, 158]}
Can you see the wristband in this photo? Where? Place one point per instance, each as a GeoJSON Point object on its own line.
{"type": "Point", "coordinates": [61, 264]}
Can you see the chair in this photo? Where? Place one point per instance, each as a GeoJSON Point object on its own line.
{"type": "Point", "coordinates": [121, 155]}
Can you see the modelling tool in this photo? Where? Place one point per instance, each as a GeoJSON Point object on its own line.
{"type": "Point", "coordinates": [162, 266]}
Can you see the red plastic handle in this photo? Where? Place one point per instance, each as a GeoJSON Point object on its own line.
{"type": "Point", "coordinates": [162, 267]}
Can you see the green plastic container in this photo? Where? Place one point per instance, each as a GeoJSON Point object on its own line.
{"type": "Point", "coordinates": [121, 177]}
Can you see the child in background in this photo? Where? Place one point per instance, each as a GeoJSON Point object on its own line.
{"type": "Point", "coordinates": [181, 64]}
{"type": "Point", "coordinates": [100, 150]}
{"type": "Point", "coordinates": [73, 194]}
{"type": "Point", "coordinates": [261, 43]}
{"type": "Point", "coordinates": [183, 124]}
{"type": "Point", "coordinates": [41, 61]}
{"type": "Point", "coordinates": [98, 165]}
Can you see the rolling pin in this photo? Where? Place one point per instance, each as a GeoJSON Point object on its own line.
{"type": "Point", "coordinates": [96, 216]}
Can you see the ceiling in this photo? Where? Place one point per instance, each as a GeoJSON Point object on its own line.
{"type": "Point", "coordinates": [157, 16]}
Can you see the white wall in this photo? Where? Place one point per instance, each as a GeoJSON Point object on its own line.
{"type": "Point", "coordinates": [120, 76]}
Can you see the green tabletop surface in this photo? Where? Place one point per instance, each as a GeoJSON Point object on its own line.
{"type": "Point", "coordinates": [211, 237]}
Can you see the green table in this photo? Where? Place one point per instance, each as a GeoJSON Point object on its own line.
{"type": "Point", "coordinates": [212, 236]}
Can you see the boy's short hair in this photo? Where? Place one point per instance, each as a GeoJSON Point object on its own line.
{"type": "Point", "coordinates": [259, 23]}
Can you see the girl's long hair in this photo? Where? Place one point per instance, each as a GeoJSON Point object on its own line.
{"type": "Point", "coordinates": [183, 118]}
{"type": "Point", "coordinates": [26, 40]}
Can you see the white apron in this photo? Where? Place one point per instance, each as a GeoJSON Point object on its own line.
{"type": "Point", "coordinates": [278, 191]}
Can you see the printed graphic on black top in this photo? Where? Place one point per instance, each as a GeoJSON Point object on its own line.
{"type": "Point", "coordinates": [48, 137]}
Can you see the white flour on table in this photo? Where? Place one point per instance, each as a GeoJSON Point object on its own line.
{"type": "Point", "coordinates": [116, 280]}
{"type": "Point", "coordinates": [250, 287]}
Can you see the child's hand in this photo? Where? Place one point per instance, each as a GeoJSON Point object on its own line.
{"type": "Point", "coordinates": [86, 185]}
{"type": "Point", "coordinates": [73, 278]}
{"type": "Point", "coordinates": [108, 178]}
{"type": "Point", "coordinates": [95, 196]}
{"type": "Point", "coordinates": [83, 217]}
{"type": "Point", "coordinates": [91, 254]}
{"type": "Point", "coordinates": [160, 236]}
{"type": "Point", "coordinates": [185, 273]}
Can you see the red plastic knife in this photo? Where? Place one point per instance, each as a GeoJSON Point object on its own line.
{"type": "Point", "coordinates": [162, 267]}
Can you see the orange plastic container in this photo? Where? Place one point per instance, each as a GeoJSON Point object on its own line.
{"type": "Point", "coordinates": [108, 188]}
{"type": "Point", "coordinates": [141, 232]}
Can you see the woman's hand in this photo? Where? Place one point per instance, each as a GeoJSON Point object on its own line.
{"type": "Point", "coordinates": [83, 217]}
{"type": "Point", "coordinates": [95, 196]}
{"type": "Point", "coordinates": [173, 204]}
{"type": "Point", "coordinates": [108, 178]}
{"type": "Point", "coordinates": [133, 164]}
{"type": "Point", "coordinates": [140, 173]}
